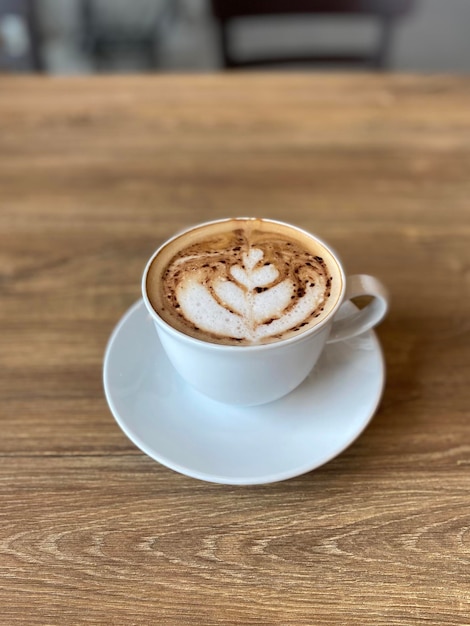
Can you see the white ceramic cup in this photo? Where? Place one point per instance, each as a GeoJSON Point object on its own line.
{"type": "Point", "coordinates": [256, 374]}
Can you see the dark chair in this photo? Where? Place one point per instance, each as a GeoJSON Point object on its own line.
{"type": "Point", "coordinates": [386, 12]}
{"type": "Point", "coordinates": [102, 40]}
{"type": "Point", "coordinates": [20, 44]}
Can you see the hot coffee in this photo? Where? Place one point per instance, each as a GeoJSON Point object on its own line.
{"type": "Point", "coordinates": [243, 282]}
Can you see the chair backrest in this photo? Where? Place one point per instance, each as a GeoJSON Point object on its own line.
{"type": "Point", "coordinates": [385, 11]}
{"type": "Point", "coordinates": [227, 9]}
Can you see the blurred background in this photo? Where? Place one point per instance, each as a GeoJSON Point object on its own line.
{"type": "Point", "coordinates": [119, 36]}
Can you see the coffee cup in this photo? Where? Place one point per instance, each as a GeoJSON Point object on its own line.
{"type": "Point", "coordinates": [244, 307]}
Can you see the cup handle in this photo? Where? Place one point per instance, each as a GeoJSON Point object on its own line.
{"type": "Point", "coordinates": [364, 319]}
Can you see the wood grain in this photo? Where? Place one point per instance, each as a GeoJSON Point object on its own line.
{"type": "Point", "coordinates": [94, 174]}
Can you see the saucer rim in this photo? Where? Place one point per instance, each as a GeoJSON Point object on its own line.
{"type": "Point", "coordinates": [267, 478]}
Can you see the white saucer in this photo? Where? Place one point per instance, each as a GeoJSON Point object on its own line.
{"type": "Point", "coordinates": [202, 438]}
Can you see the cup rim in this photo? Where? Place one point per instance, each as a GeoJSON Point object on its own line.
{"type": "Point", "coordinates": [302, 336]}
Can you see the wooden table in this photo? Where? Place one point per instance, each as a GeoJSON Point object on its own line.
{"type": "Point", "coordinates": [94, 174]}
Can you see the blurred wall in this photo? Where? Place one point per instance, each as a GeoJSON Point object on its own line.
{"type": "Point", "coordinates": [434, 38]}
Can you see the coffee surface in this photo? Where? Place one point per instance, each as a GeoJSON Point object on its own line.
{"type": "Point", "coordinates": [244, 282]}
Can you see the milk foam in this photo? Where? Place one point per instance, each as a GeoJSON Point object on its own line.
{"type": "Point", "coordinates": [245, 304]}
{"type": "Point", "coordinates": [242, 283]}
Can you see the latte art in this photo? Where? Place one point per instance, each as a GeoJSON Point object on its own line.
{"type": "Point", "coordinates": [243, 286]}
